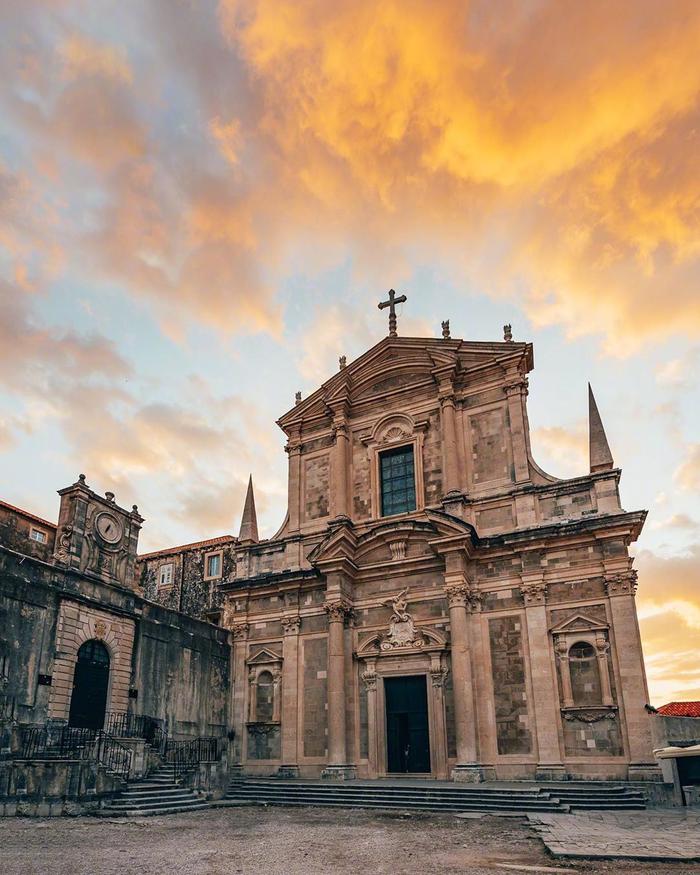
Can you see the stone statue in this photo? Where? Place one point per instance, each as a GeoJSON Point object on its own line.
{"type": "Point", "coordinates": [402, 629]}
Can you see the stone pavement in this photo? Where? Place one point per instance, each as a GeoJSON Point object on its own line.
{"type": "Point", "coordinates": [640, 835]}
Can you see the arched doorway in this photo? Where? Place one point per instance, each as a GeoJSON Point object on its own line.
{"type": "Point", "coordinates": [90, 683]}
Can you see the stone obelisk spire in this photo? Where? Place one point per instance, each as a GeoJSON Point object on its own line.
{"type": "Point", "coordinates": [599, 451]}
{"type": "Point", "coordinates": [249, 520]}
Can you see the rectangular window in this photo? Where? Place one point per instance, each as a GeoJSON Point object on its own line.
{"type": "Point", "coordinates": [213, 565]}
{"type": "Point", "coordinates": [38, 536]}
{"type": "Point", "coordinates": [165, 574]}
{"type": "Point", "coordinates": [398, 484]}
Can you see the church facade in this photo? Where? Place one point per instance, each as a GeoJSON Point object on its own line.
{"type": "Point", "coordinates": [434, 603]}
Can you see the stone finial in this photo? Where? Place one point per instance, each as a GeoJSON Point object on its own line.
{"type": "Point", "coordinates": [249, 520]}
{"type": "Point", "coordinates": [109, 496]}
{"type": "Point", "coordinates": [600, 456]}
{"type": "Point", "coordinates": [508, 333]}
{"type": "Point", "coordinates": [446, 329]}
{"type": "Point", "coordinates": [342, 362]}
{"type": "Point", "coordinates": [81, 479]}
{"type": "Point", "coordinates": [297, 398]}
{"type": "Point", "coordinates": [134, 508]}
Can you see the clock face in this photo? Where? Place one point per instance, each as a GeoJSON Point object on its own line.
{"type": "Point", "coordinates": [108, 528]}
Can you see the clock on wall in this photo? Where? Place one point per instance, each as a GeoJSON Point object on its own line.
{"type": "Point", "coordinates": [108, 528]}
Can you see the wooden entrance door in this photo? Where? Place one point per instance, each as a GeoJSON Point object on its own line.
{"type": "Point", "coordinates": [90, 683]}
{"type": "Point", "coordinates": [408, 738]}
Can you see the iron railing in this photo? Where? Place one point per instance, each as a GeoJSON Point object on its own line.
{"type": "Point", "coordinates": [7, 708]}
{"type": "Point", "coordinates": [71, 743]}
{"type": "Point", "coordinates": [125, 725]}
{"type": "Point", "coordinates": [51, 742]}
{"type": "Point", "coordinates": [112, 755]}
{"type": "Point", "coordinates": [186, 755]}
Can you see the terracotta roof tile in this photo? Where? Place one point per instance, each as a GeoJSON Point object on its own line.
{"type": "Point", "coordinates": [26, 513]}
{"type": "Point", "coordinates": [167, 551]}
{"type": "Point", "coordinates": [680, 709]}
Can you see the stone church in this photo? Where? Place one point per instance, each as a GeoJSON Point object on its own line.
{"type": "Point", "coordinates": [434, 603]}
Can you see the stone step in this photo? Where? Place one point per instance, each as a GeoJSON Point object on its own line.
{"type": "Point", "coordinates": [389, 804]}
{"type": "Point", "coordinates": [115, 804]}
{"type": "Point", "coordinates": [427, 797]}
{"type": "Point", "coordinates": [147, 812]}
{"type": "Point", "coordinates": [128, 796]}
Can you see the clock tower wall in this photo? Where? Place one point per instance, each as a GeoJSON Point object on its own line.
{"type": "Point", "coordinates": [97, 536]}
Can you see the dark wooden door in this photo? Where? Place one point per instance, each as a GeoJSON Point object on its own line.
{"type": "Point", "coordinates": [90, 683]}
{"type": "Point", "coordinates": [408, 739]}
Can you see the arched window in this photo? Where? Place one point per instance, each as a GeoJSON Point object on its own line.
{"type": "Point", "coordinates": [264, 699]}
{"type": "Point", "coordinates": [585, 677]}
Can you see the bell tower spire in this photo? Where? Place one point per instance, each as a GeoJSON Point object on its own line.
{"type": "Point", "coordinates": [249, 520]}
{"type": "Point", "coordinates": [599, 451]}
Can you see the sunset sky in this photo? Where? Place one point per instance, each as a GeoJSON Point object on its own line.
{"type": "Point", "coordinates": [201, 205]}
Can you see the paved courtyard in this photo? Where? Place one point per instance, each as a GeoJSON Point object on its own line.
{"type": "Point", "coordinates": [279, 841]}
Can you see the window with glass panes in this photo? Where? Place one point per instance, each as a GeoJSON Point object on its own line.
{"type": "Point", "coordinates": [398, 485]}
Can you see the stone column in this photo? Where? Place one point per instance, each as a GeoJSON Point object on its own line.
{"type": "Point", "coordinates": [516, 392]}
{"type": "Point", "coordinates": [561, 648]}
{"type": "Point", "coordinates": [239, 677]}
{"type": "Point", "coordinates": [602, 648]}
{"type": "Point", "coordinates": [621, 588]}
{"type": "Point", "coordinates": [449, 438]}
{"type": "Point", "coordinates": [293, 449]}
{"type": "Point", "coordinates": [341, 466]}
{"type": "Point", "coordinates": [544, 708]}
{"type": "Point", "coordinates": [467, 767]}
{"type": "Point", "coordinates": [290, 697]}
{"type": "Point", "coordinates": [438, 754]}
{"type": "Point", "coordinates": [338, 768]}
{"type": "Point", "coordinates": [369, 679]}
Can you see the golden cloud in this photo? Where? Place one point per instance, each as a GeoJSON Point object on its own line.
{"type": "Point", "coordinates": [82, 56]}
{"type": "Point", "coordinates": [687, 475]}
{"type": "Point", "coordinates": [668, 603]}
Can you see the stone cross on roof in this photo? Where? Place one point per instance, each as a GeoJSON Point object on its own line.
{"type": "Point", "coordinates": [391, 304]}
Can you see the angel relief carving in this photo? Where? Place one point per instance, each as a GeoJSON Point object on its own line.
{"type": "Point", "coordinates": [402, 629]}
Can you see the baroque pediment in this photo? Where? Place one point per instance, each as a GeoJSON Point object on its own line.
{"type": "Point", "coordinates": [578, 623]}
{"type": "Point", "coordinates": [264, 656]}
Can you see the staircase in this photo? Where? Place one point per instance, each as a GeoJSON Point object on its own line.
{"type": "Point", "coordinates": [160, 793]}
{"type": "Point", "coordinates": [433, 796]}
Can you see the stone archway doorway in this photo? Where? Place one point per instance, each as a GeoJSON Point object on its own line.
{"type": "Point", "coordinates": [88, 702]}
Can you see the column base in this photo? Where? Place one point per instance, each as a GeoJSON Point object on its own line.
{"type": "Point", "coordinates": [551, 772]}
{"type": "Point", "coordinates": [471, 773]}
{"type": "Point", "coordinates": [644, 772]}
{"type": "Point", "coordinates": [339, 773]}
{"type": "Point", "coordinates": [289, 771]}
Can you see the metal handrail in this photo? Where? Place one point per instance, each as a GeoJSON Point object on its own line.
{"type": "Point", "coordinates": [50, 742]}
{"type": "Point", "coordinates": [187, 754]}
{"type": "Point", "coordinates": [125, 725]}
{"type": "Point", "coordinates": [115, 757]}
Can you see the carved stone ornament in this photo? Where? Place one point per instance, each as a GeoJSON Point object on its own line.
{"type": "Point", "coordinates": [100, 629]}
{"type": "Point", "coordinates": [395, 433]}
{"type": "Point", "coordinates": [62, 553]}
{"type": "Point", "coordinates": [398, 550]}
{"type": "Point", "coordinates": [438, 676]}
{"type": "Point", "coordinates": [369, 679]}
{"type": "Point", "coordinates": [261, 728]}
{"type": "Point", "coordinates": [621, 584]}
{"type": "Point", "coordinates": [534, 593]}
{"type": "Point", "coordinates": [291, 625]}
{"type": "Point", "coordinates": [338, 611]}
{"type": "Point", "coordinates": [240, 630]}
{"type": "Point", "coordinates": [590, 716]}
{"type": "Point", "coordinates": [402, 629]}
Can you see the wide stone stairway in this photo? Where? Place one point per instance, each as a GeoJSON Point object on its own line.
{"type": "Point", "coordinates": [436, 796]}
{"type": "Point", "coordinates": [159, 793]}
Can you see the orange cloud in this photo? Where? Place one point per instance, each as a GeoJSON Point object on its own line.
{"type": "Point", "coordinates": [568, 131]}
{"type": "Point", "coordinates": [82, 56]}
{"type": "Point", "coordinates": [668, 603]}
{"type": "Point", "coordinates": [565, 449]}
{"type": "Point", "coordinates": [687, 475]}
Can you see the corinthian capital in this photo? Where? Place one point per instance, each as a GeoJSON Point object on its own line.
{"type": "Point", "coordinates": [457, 594]}
{"type": "Point", "coordinates": [291, 625]}
{"type": "Point", "coordinates": [240, 630]}
{"type": "Point", "coordinates": [338, 611]}
{"type": "Point", "coordinates": [534, 593]}
{"type": "Point", "coordinates": [621, 584]}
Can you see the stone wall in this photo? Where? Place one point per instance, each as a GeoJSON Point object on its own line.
{"type": "Point", "coordinates": [513, 734]}
{"type": "Point", "coordinates": [16, 527]}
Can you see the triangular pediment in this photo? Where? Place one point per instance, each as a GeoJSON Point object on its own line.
{"type": "Point", "coordinates": [264, 656]}
{"type": "Point", "coordinates": [577, 623]}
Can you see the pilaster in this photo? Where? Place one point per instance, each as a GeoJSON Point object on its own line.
{"type": "Point", "coordinates": [290, 686]}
